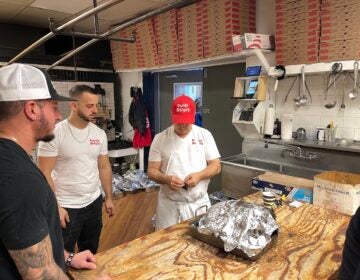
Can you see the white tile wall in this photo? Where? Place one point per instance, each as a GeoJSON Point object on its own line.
{"type": "Point", "coordinates": [315, 115]}
{"type": "Point", "coordinates": [64, 87]}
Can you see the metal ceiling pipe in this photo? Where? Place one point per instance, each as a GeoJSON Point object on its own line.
{"type": "Point", "coordinates": [48, 36]}
{"type": "Point", "coordinates": [87, 35]}
{"type": "Point", "coordinates": [163, 9]}
{"type": "Point", "coordinates": [96, 19]}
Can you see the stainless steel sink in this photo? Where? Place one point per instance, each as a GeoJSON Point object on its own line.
{"type": "Point", "coordinates": [297, 171]}
{"type": "Point", "coordinates": [288, 169]}
{"type": "Point", "coordinates": [238, 171]}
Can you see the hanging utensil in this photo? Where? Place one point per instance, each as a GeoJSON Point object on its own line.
{"type": "Point", "coordinates": [303, 100]}
{"type": "Point", "coordinates": [308, 91]}
{"type": "Point", "coordinates": [331, 105]}
{"type": "Point", "coordinates": [291, 87]}
{"type": "Point", "coordinates": [354, 93]}
{"type": "Point", "coordinates": [298, 97]}
{"type": "Point", "coordinates": [342, 106]}
{"type": "Point", "coordinates": [336, 68]}
{"type": "Point", "coordinates": [330, 85]}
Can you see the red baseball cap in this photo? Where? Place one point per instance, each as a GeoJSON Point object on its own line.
{"type": "Point", "coordinates": [183, 110]}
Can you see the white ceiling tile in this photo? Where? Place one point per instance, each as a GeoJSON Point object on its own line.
{"type": "Point", "coordinates": [70, 7]}
{"type": "Point", "coordinates": [37, 14]}
{"type": "Point", "coordinates": [8, 11]}
{"type": "Point", "coordinates": [37, 17]}
{"type": "Point", "coordinates": [19, 2]}
{"type": "Point", "coordinates": [87, 25]}
{"type": "Point", "coordinates": [126, 10]}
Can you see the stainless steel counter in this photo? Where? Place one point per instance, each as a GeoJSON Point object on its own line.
{"type": "Point", "coordinates": [338, 145]}
{"type": "Point", "coordinates": [286, 157]}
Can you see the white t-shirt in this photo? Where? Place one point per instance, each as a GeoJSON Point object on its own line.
{"type": "Point", "coordinates": [76, 173]}
{"type": "Point", "coordinates": [183, 156]}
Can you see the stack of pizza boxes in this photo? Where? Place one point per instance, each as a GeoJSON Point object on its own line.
{"type": "Point", "coordinates": [165, 28]}
{"type": "Point", "coordinates": [224, 18]}
{"type": "Point", "coordinates": [297, 31]}
{"type": "Point", "coordinates": [340, 30]}
{"type": "Point", "coordinates": [190, 30]}
{"type": "Point", "coordinates": [142, 53]}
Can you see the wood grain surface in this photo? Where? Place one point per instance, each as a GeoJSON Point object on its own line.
{"type": "Point", "coordinates": [132, 219]}
{"type": "Point", "coordinates": [309, 246]}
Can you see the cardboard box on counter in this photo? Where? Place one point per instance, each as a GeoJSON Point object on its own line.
{"type": "Point", "coordinates": [339, 191]}
{"type": "Point", "coordinates": [294, 188]}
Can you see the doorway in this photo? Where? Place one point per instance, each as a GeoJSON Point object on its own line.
{"type": "Point", "coordinates": [172, 84]}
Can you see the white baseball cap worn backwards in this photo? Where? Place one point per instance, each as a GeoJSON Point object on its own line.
{"type": "Point", "coordinates": [25, 82]}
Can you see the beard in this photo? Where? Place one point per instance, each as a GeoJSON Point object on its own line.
{"type": "Point", "coordinates": [43, 131]}
{"type": "Point", "coordinates": [85, 117]}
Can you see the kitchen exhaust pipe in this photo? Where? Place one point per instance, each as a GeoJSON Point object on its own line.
{"type": "Point", "coordinates": [52, 28]}
{"type": "Point", "coordinates": [48, 36]}
{"type": "Point", "coordinates": [176, 4]}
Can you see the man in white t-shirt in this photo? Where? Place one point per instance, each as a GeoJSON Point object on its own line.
{"type": "Point", "coordinates": [76, 165]}
{"type": "Point", "coordinates": [182, 159]}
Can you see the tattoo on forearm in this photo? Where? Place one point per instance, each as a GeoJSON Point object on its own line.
{"type": "Point", "coordinates": [37, 262]}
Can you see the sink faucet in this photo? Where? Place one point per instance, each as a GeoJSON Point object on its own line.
{"type": "Point", "coordinates": [294, 151]}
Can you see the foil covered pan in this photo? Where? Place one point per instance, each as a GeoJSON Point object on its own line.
{"type": "Point", "coordinates": [244, 229]}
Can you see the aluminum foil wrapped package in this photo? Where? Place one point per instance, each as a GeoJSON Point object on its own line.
{"type": "Point", "coordinates": [116, 182]}
{"type": "Point", "coordinates": [240, 225]}
{"type": "Point", "coordinates": [141, 178]}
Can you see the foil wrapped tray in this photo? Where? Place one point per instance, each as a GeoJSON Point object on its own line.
{"type": "Point", "coordinates": [217, 242]}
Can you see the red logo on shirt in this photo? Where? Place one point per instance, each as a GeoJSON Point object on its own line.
{"type": "Point", "coordinates": [94, 142]}
{"type": "Point", "coordinates": [193, 141]}
{"type": "Point", "coordinates": [201, 142]}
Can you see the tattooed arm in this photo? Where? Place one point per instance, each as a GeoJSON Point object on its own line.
{"type": "Point", "coordinates": [37, 262]}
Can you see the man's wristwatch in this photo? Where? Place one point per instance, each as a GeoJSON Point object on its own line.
{"type": "Point", "coordinates": [69, 259]}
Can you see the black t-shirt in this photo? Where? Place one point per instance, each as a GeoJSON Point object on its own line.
{"type": "Point", "coordinates": [28, 208]}
{"type": "Point", "coordinates": [350, 265]}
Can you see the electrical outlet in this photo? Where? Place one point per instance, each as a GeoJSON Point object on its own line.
{"type": "Point", "coordinates": [206, 110]}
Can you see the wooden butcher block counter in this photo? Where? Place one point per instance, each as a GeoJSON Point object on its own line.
{"type": "Point", "coordinates": [309, 246]}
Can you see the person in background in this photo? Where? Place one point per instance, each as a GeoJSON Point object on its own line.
{"type": "Point", "coordinates": [182, 159]}
{"type": "Point", "coordinates": [76, 165]}
{"type": "Point", "coordinates": [198, 116]}
{"type": "Point", "coordinates": [350, 265]}
{"type": "Point", "coordinates": [31, 245]}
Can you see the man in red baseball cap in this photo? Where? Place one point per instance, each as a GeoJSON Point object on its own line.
{"type": "Point", "coordinates": [182, 159]}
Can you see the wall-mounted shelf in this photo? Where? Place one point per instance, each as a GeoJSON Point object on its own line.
{"type": "Point", "coordinates": [206, 62]}
{"type": "Point", "coordinates": [315, 68]}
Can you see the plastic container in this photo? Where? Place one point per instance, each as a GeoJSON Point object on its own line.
{"type": "Point", "coordinates": [286, 126]}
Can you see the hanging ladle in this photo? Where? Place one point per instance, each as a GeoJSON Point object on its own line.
{"type": "Point", "coordinates": [335, 69]}
{"type": "Point", "coordinates": [353, 93]}
{"type": "Point", "coordinates": [342, 106]}
{"type": "Point", "coordinates": [298, 97]}
{"type": "Point", "coordinates": [303, 100]}
{"type": "Point", "coordinates": [331, 105]}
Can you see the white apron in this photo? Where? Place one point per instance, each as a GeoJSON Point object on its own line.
{"type": "Point", "coordinates": [176, 206]}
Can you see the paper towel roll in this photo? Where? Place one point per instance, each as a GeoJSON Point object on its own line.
{"type": "Point", "coordinates": [286, 126]}
{"type": "Point", "coordinates": [269, 121]}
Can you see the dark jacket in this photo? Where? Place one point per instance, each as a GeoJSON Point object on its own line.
{"type": "Point", "coordinates": [137, 110]}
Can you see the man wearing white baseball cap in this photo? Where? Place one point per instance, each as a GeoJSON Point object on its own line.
{"type": "Point", "coordinates": [31, 245]}
{"type": "Point", "coordinates": [182, 159]}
